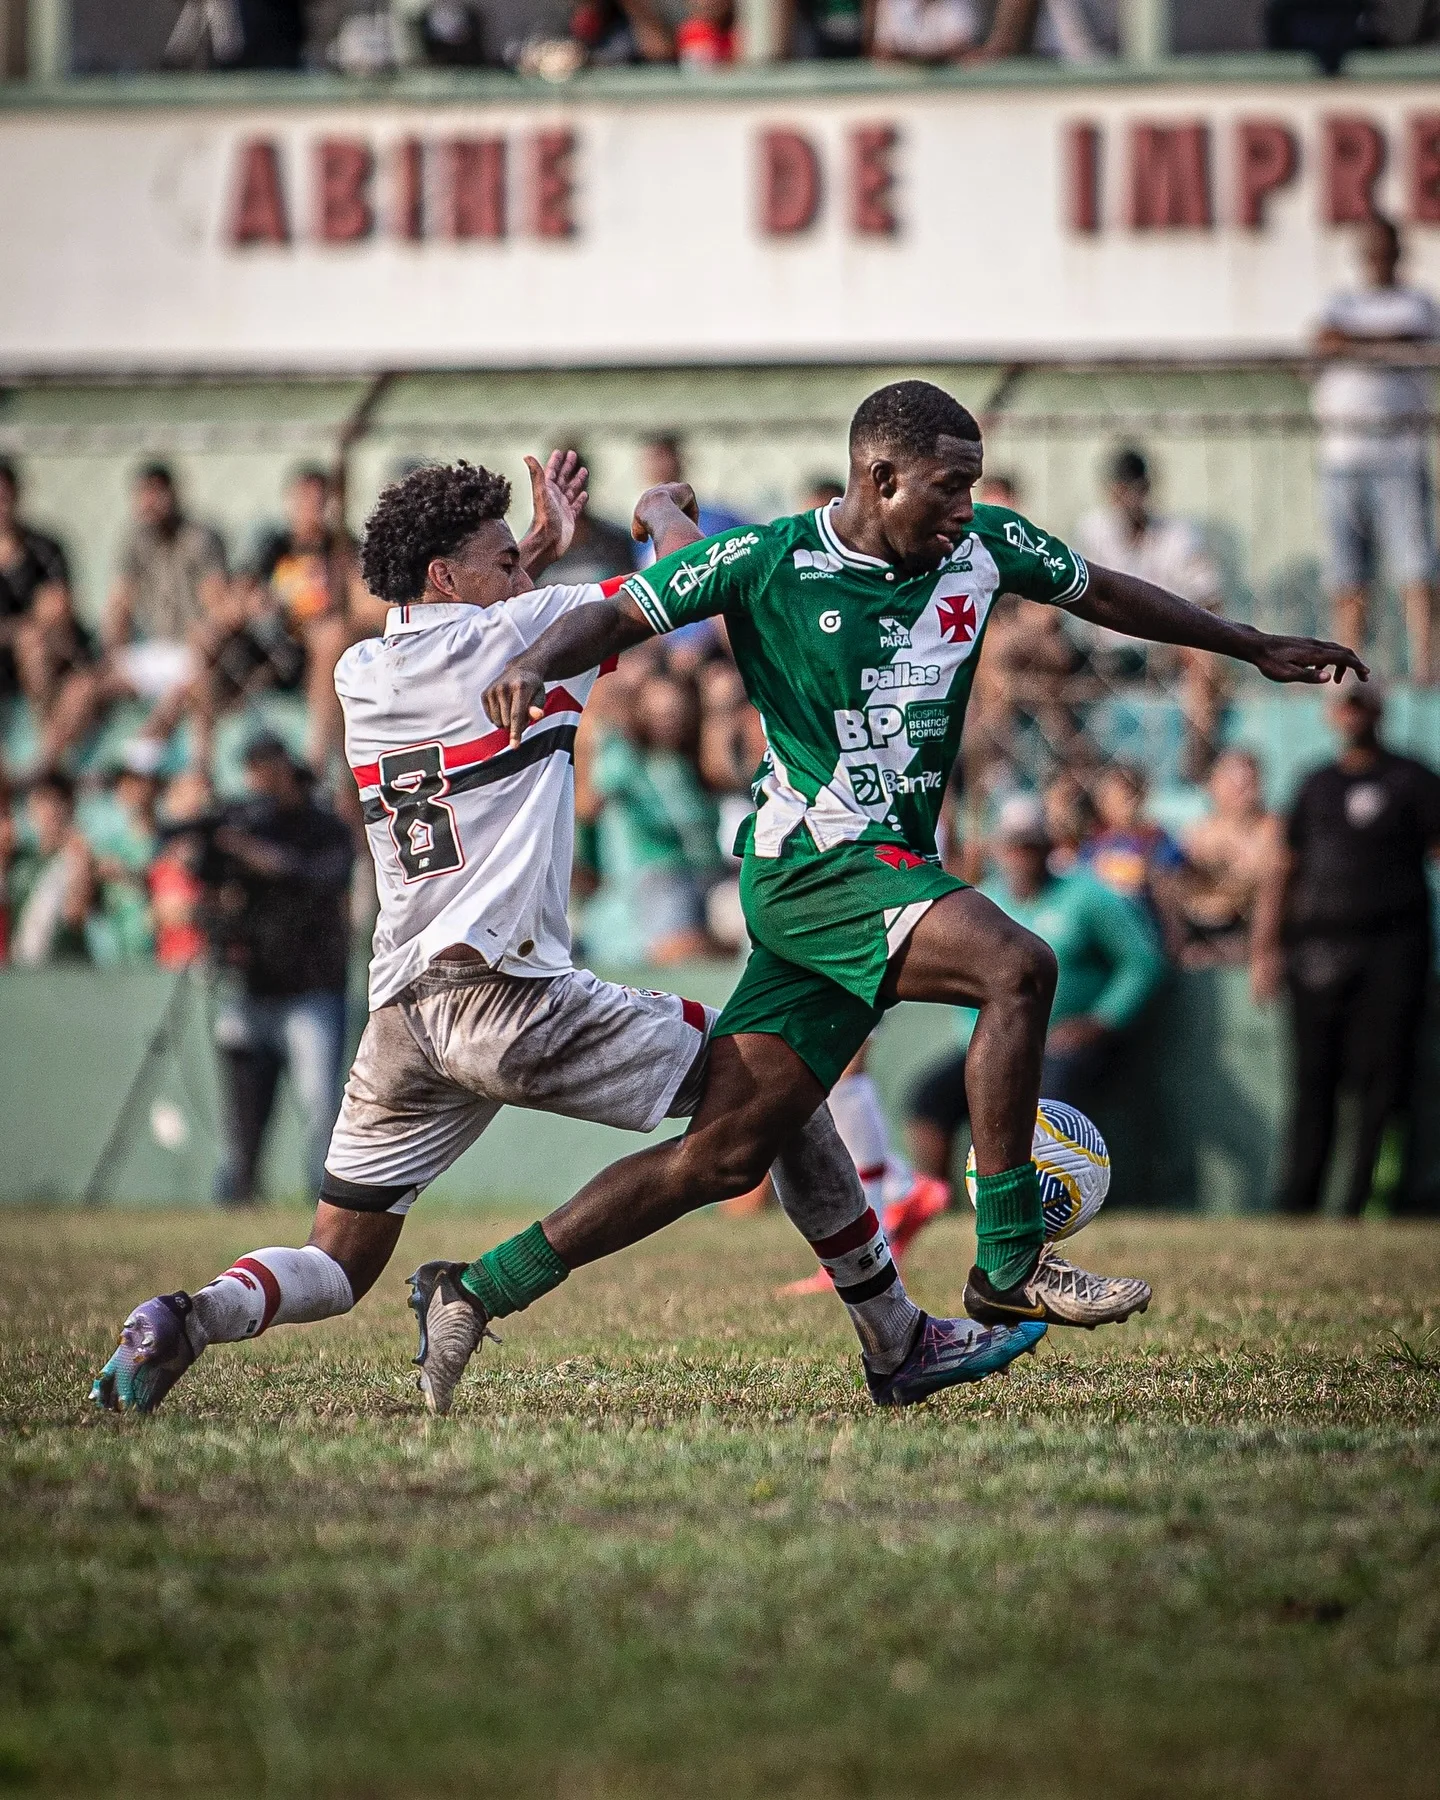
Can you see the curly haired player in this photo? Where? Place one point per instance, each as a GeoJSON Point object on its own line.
{"type": "Point", "coordinates": [475, 1002]}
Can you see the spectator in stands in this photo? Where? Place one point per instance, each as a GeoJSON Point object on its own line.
{"type": "Point", "coordinates": [60, 672]}
{"type": "Point", "coordinates": [812, 30]}
{"type": "Point", "coordinates": [924, 31]}
{"type": "Point", "coordinates": [276, 869]}
{"type": "Point", "coordinates": [658, 845]}
{"type": "Point", "coordinates": [120, 828]}
{"type": "Point", "coordinates": [1125, 534]}
{"type": "Point", "coordinates": [662, 461]}
{"type": "Point", "coordinates": [1229, 854]}
{"type": "Point", "coordinates": [705, 37]}
{"type": "Point", "coordinates": [172, 572]}
{"type": "Point", "coordinates": [1132, 855]}
{"type": "Point", "coordinates": [1110, 965]}
{"type": "Point", "coordinates": [28, 561]}
{"type": "Point", "coordinates": [1376, 489]}
{"type": "Point", "coordinates": [50, 880]}
{"type": "Point", "coordinates": [311, 569]}
{"type": "Point", "coordinates": [1344, 923]}
{"type": "Point", "coordinates": [820, 490]}
{"type": "Point", "coordinates": [1069, 818]}
{"type": "Point", "coordinates": [177, 895]}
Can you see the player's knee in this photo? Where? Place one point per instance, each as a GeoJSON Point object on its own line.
{"type": "Point", "coordinates": [713, 1171]}
{"type": "Point", "coordinates": [1028, 970]}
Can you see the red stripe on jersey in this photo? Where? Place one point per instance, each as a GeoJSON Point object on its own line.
{"type": "Point", "coordinates": [610, 665]}
{"type": "Point", "coordinates": [267, 1281]}
{"type": "Point", "coordinates": [851, 1238]}
{"type": "Point", "coordinates": [875, 1174]}
{"type": "Point", "coordinates": [478, 750]}
{"type": "Point", "coordinates": [613, 586]}
{"type": "Point", "coordinates": [694, 1014]}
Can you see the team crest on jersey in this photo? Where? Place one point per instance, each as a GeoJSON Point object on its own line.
{"type": "Point", "coordinates": [893, 635]}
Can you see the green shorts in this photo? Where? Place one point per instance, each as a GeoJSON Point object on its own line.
{"type": "Point", "coordinates": [825, 926]}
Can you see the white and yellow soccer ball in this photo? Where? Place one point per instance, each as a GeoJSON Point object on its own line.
{"type": "Point", "coordinates": [1074, 1165]}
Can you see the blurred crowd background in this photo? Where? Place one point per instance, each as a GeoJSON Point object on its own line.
{"type": "Point", "coordinates": [556, 38]}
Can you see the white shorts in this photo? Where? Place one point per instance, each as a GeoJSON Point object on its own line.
{"type": "Point", "coordinates": [437, 1063]}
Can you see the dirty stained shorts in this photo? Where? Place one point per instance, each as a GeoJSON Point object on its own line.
{"type": "Point", "coordinates": [437, 1063]}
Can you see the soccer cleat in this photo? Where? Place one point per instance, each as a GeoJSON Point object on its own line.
{"type": "Point", "coordinates": [154, 1352]}
{"type": "Point", "coordinates": [947, 1352]}
{"type": "Point", "coordinates": [906, 1219]}
{"type": "Point", "coordinates": [452, 1324]}
{"type": "Point", "coordinates": [1058, 1292]}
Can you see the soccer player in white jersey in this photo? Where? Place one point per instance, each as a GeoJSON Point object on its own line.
{"type": "Point", "coordinates": [475, 1002]}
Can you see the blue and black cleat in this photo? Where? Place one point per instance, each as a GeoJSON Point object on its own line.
{"type": "Point", "coordinates": [947, 1352]}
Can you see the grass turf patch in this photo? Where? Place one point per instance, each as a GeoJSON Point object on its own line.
{"type": "Point", "coordinates": [665, 1545]}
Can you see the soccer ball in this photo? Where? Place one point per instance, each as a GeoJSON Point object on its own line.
{"type": "Point", "coordinates": [1074, 1165]}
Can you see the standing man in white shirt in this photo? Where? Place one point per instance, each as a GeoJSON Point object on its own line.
{"type": "Point", "coordinates": [1127, 535]}
{"type": "Point", "coordinates": [1372, 403]}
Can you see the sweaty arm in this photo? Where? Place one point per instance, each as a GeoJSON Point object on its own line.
{"type": "Point", "coordinates": [1142, 610]}
{"type": "Point", "coordinates": [591, 634]}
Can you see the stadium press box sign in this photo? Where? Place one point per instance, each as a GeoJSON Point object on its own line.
{"type": "Point", "coordinates": [928, 222]}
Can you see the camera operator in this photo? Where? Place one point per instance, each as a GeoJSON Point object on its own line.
{"type": "Point", "coordinates": [276, 873]}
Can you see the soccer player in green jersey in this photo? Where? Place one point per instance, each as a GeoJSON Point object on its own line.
{"type": "Point", "coordinates": [856, 629]}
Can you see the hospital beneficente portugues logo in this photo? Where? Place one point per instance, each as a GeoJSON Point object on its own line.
{"type": "Point", "coordinates": [690, 576]}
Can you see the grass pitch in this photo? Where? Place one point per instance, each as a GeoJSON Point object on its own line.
{"type": "Point", "coordinates": [665, 1546]}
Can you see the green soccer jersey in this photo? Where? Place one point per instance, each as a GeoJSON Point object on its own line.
{"type": "Point", "coordinates": [860, 675]}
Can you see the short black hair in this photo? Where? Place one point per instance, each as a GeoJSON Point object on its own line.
{"type": "Point", "coordinates": [1129, 466]}
{"type": "Point", "coordinates": [156, 471]}
{"type": "Point", "coordinates": [54, 781]}
{"type": "Point", "coordinates": [9, 474]}
{"type": "Point", "coordinates": [910, 418]}
{"type": "Point", "coordinates": [427, 513]}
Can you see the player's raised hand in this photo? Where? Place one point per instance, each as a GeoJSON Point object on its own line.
{"type": "Point", "coordinates": [558, 494]}
{"type": "Point", "coordinates": [1305, 659]}
{"type": "Point", "coordinates": [515, 701]}
{"type": "Point", "coordinates": [656, 501]}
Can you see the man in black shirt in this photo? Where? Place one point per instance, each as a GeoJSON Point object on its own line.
{"type": "Point", "coordinates": [1346, 923]}
{"type": "Point", "coordinates": [28, 561]}
{"type": "Point", "coordinates": [277, 877]}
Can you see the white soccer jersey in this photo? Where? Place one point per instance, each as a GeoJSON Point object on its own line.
{"type": "Point", "coordinates": [472, 840]}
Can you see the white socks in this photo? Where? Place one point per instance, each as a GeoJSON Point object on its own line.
{"type": "Point", "coordinates": [855, 1107]}
{"type": "Point", "coordinates": [818, 1188]}
{"type": "Point", "coordinates": [269, 1287]}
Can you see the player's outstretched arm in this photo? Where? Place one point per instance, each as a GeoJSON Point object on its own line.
{"type": "Point", "coordinates": [1142, 610]}
{"type": "Point", "coordinates": [579, 640]}
{"type": "Point", "coordinates": [558, 493]}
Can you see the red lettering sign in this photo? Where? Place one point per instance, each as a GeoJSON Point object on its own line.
{"type": "Point", "coordinates": [1425, 169]}
{"type": "Point", "coordinates": [343, 167]}
{"type": "Point", "coordinates": [410, 190]}
{"type": "Point", "coordinates": [552, 193]}
{"type": "Point", "coordinates": [1170, 178]}
{"type": "Point", "coordinates": [1082, 176]}
{"type": "Point", "coordinates": [1353, 160]}
{"type": "Point", "coordinates": [1266, 158]}
{"type": "Point", "coordinates": [258, 215]}
{"type": "Point", "coordinates": [789, 183]}
{"type": "Point", "coordinates": [477, 188]}
{"type": "Point", "coordinates": [872, 181]}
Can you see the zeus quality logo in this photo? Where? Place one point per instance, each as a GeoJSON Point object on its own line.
{"type": "Point", "coordinates": [690, 576]}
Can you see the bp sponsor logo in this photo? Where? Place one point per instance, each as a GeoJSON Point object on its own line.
{"type": "Point", "coordinates": [926, 722]}
{"type": "Point", "coordinates": [692, 575]}
{"type": "Point", "coordinates": [899, 675]}
{"type": "Point", "coordinates": [893, 635]}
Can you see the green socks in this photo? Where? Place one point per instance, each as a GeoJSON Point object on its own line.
{"type": "Point", "coordinates": [516, 1273]}
{"type": "Point", "coordinates": [1009, 1224]}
